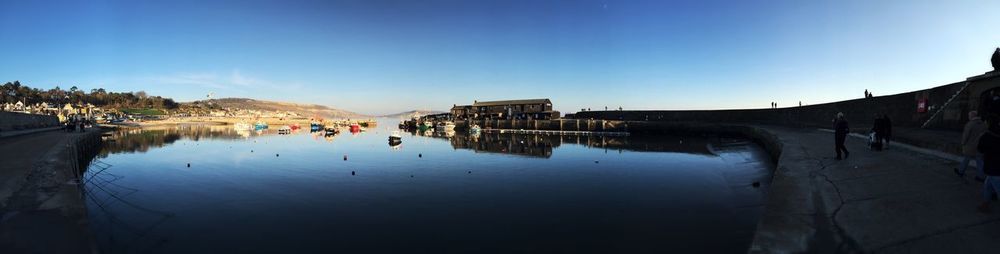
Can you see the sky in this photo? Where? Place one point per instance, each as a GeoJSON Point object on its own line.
{"type": "Point", "coordinates": [381, 57]}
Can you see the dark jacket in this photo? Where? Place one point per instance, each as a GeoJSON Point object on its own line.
{"type": "Point", "coordinates": [841, 129]}
{"type": "Point", "coordinates": [989, 145]}
{"type": "Point", "coordinates": [879, 126]}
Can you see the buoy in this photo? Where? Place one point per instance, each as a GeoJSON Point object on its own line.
{"type": "Point", "coordinates": [189, 165]}
{"type": "Point", "coordinates": [470, 171]}
{"type": "Point", "coordinates": [420, 155]}
{"type": "Point", "coordinates": [756, 184]}
{"type": "Point", "coordinates": [595, 162]}
{"type": "Point", "coordinates": [411, 176]}
{"type": "Point", "coordinates": [275, 155]}
{"type": "Point", "coordinates": [345, 157]}
{"type": "Point", "coordinates": [251, 151]}
{"type": "Point", "coordinates": [352, 172]}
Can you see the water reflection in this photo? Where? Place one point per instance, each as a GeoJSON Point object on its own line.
{"type": "Point", "coordinates": [180, 189]}
{"type": "Point", "coordinates": [541, 145]}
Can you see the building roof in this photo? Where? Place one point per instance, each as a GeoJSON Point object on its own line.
{"type": "Point", "coordinates": [460, 106]}
{"type": "Point", "coordinates": [511, 102]}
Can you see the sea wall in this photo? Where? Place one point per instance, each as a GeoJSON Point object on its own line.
{"type": "Point", "coordinates": [22, 121]}
{"type": "Point", "coordinates": [901, 109]}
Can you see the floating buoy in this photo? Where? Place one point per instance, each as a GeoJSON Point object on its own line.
{"type": "Point", "coordinates": [345, 157]}
{"type": "Point", "coordinates": [756, 184]}
{"type": "Point", "coordinates": [420, 155]}
{"type": "Point", "coordinates": [275, 155]}
{"type": "Point", "coordinates": [470, 171]}
{"type": "Point", "coordinates": [251, 151]}
{"type": "Point", "coordinates": [352, 172]}
{"type": "Point", "coordinates": [411, 176]}
{"type": "Point", "coordinates": [595, 162]}
{"type": "Point", "coordinates": [189, 165]}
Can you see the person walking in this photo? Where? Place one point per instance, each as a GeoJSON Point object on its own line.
{"type": "Point", "coordinates": [989, 146]}
{"type": "Point", "coordinates": [878, 127]}
{"type": "Point", "coordinates": [840, 135]}
{"type": "Point", "coordinates": [974, 129]}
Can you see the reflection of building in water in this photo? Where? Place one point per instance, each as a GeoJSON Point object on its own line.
{"type": "Point", "coordinates": [517, 144]}
{"type": "Point", "coordinates": [540, 145]}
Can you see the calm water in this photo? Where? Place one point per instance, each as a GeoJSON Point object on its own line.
{"type": "Point", "coordinates": [270, 193]}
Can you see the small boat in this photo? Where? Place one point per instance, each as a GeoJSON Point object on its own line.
{"type": "Point", "coordinates": [260, 126]}
{"type": "Point", "coordinates": [395, 136]}
{"type": "Point", "coordinates": [425, 126]}
{"type": "Point", "coordinates": [475, 129]}
{"type": "Point", "coordinates": [295, 126]}
{"type": "Point", "coordinates": [445, 126]}
{"type": "Point", "coordinates": [285, 130]}
{"type": "Point", "coordinates": [315, 126]}
{"type": "Point", "coordinates": [355, 128]}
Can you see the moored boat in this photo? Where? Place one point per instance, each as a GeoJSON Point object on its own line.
{"type": "Point", "coordinates": [395, 136]}
{"type": "Point", "coordinates": [445, 126]}
{"type": "Point", "coordinates": [285, 130]}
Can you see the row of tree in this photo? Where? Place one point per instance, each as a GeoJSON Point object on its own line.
{"type": "Point", "coordinates": [12, 92]}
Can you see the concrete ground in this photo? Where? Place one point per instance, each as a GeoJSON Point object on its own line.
{"type": "Point", "coordinates": [891, 201]}
{"type": "Point", "coordinates": [41, 207]}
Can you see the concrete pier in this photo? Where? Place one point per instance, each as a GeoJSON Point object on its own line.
{"type": "Point", "coordinates": [41, 203]}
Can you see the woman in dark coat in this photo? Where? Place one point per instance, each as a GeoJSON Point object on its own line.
{"type": "Point", "coordinates": [840, 135]}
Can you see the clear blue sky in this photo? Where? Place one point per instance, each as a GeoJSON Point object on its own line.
{"type": "Point", "coordinates": [387, 56]}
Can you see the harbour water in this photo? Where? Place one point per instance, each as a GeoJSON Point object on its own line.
{"type": "Point", "coordinates": [191, 189]}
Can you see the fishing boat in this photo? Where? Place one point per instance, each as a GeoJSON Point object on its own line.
{"type": "Point", "coordinates": [331, 131]}
{"type": "Point", "coordinates": [284, 130]}
{"type": "Point", "coordinates": [395, 136]}
{"type": "Point", "coordinates": [355, 128]}
{"type": "Point", "coordinates": [260, 126]}
{"type": "Point", "coordinates": [315, 126]}
{"type": "Point", "coordinates": [445, 126]}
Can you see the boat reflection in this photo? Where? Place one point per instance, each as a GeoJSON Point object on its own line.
{"type": "Point", "coordinates": [541, 145]}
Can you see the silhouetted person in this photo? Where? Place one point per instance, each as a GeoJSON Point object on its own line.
{"type": "Point", "coordinates": [989, 146]}
{"type": "Point", "coordinates": [974, 130]}
{"type": "Point", "coordinates": [866, 93]}
{"type": "Point", "coordinates": [878, 127]}
{"type": "Point", "coordinates": [995, 60]}
{"type": "Point", "coordinates": [840, 130]}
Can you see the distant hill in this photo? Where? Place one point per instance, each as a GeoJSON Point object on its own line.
{"type": "Point", "coordinates": [409, 114]}
{"type": "Point", "coordinates": [306, 110]}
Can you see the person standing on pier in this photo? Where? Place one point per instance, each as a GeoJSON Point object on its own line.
{"type": "Point", "coordinates": [974, 130]}
{"type": "Point", "coordinates": [995, 60]}
{"type": "Point", "coordinates": [989, 146]}
{"type": "Point", "coordinates": [840, 135]}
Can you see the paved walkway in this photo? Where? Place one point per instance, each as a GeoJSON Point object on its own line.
{"type": "Point", "coordinates": [41, 209]}
{"type": "Point", "coordinates": [893, 201]}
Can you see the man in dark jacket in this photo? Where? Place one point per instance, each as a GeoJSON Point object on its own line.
{"type": "Point", "coordinates": [989, 145]}
{"type": "Point", "coordinates": [878, 127]}
{"type": "Point", "coordinates": [840, 135]}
